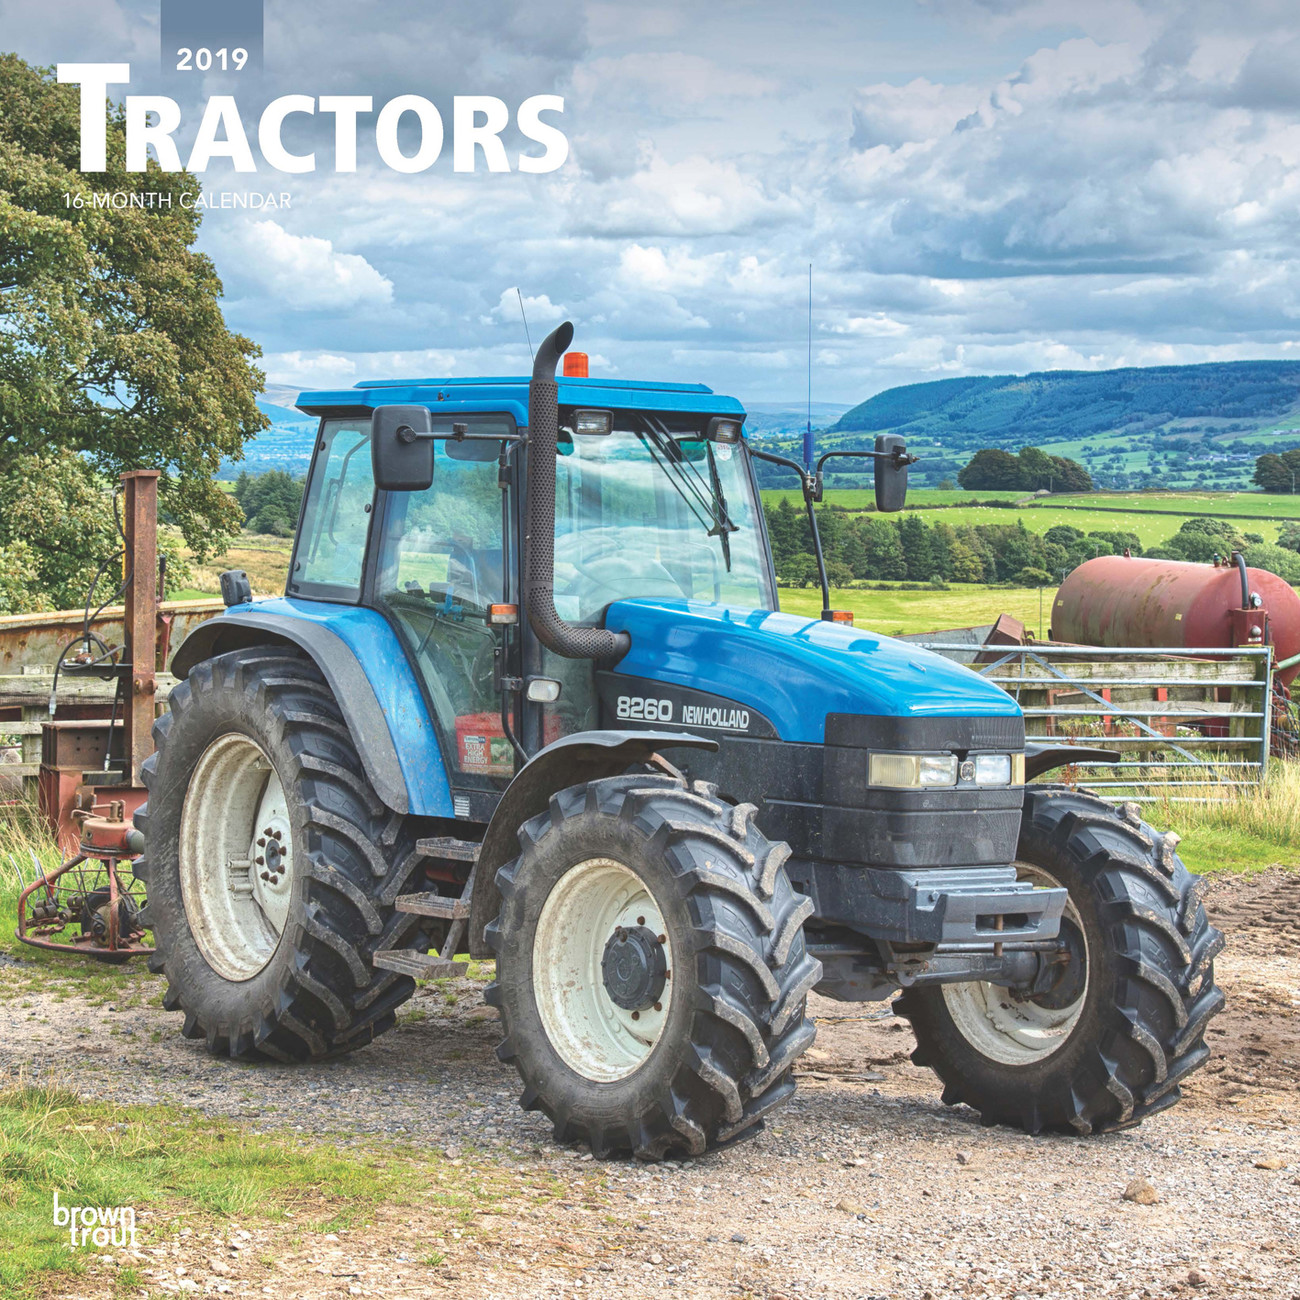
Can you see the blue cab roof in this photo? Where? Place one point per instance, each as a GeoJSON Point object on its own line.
{"type": "Point", "coordinates": [510, 393]}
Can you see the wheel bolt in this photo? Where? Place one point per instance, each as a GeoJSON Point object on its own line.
{"type": "Point", "coordinates": [659, 1006]}
{"type": "Point", "coordinates": [261, 862]}
{"type": "Point", "coordinates": [275, 835]}
{"type": "Point", "coordinates": [662, 938]}
{"type": "Point", "coordinates": [261, 844]}
{"type": "Point", "coordinates": [636, 1015]}
{"type": "Point", "coordinates": [270, 830]}
{"type": "Point", "coordinates": [265, 876]}
{"type": "Point", "coordinates": [640, 920]}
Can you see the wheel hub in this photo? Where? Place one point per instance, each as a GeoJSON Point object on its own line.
{"type": "Point", "coordinates": [634, 968]}
{"type": "Point", "coordinates": [1068, 972]}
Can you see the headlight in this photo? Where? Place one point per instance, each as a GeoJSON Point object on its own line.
{"type": "Point", "coordinates": [993, 769]}
{"type": "Point", "coordinates": [912, 771]}
{"type": "Point", "coordinates": [999, 769]}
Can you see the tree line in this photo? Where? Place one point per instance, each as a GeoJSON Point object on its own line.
{"type": "Point", "coordinates": [907, 548]}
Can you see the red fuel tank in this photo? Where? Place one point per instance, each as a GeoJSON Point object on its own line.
{"type": "Point", "coordinates": [1117, 601]}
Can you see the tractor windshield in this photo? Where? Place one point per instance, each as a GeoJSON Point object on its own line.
{"type": "Point", "coordinates": [651, 510]}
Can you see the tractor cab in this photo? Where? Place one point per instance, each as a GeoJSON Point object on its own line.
{"type": "Point", "coordinates": [654, 498]}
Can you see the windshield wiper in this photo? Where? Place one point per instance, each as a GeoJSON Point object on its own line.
{"type": "Point", "coordinates": [704, 500]}
{"type": "Point", "coordinates": [724, 535]}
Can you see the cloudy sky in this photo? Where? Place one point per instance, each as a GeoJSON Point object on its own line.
{"type": "Point", "coordinates": [983, 186]}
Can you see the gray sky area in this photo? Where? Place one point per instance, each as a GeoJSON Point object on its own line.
{"type": "Point", "coordinates": [983, 186]}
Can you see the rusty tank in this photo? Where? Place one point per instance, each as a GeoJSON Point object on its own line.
{"type": "Point", "coordinates": [1117, 600]}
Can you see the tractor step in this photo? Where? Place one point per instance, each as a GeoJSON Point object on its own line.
{"type": "Point", "coordinates": [451, 909]}
{"type": "Point", "coordinates": [448, 848]}
{"type": "Point", "coordinates": [422, 965]}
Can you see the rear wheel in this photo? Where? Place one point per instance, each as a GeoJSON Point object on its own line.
{"type": "Point", "coordinates": [651, 969]}
{"type": "Point", "coordinates": [1124, 1020]}
{"type": "Point", "coordinates": [271, 865]}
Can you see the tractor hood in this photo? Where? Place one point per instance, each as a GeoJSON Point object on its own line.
{"type": "Point", "coordinates": [796, 671]}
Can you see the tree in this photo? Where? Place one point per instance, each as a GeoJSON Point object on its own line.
{"type": "Point", "coordinates": [1278, 473]}
{"type": "Point", "coordinates": [1032, 470]}
{"type": "Point", "coordinates": [966, 565]}
{"type": "Point", "coordinates": [1276, 559]}
{"type": "Point", "coordinates": [112, 342]}
{"type": "Point", "coordinates": [270, 501]}
{"type": "Point", "coordinates": [991, 469]}
{"type": "Point", "coordinates": [1200, 540]}
{"type": "Point", "coordinates": [1031, 577]}
{"type": "Point", "coordinates": [884, 548]}
{"type": "Point", "coordinates": [1289, 537]}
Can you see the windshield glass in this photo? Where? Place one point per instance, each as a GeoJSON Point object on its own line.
{"type": "Point", "coordinates": [646, 511]}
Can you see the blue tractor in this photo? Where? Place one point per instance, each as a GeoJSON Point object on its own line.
{"type": "Point", "coordinates": [529, 695]}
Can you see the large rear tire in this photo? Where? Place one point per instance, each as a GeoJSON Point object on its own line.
{"type": "Point", "coordinates": [272, 866]}
{"type": "Point", "coordinates": [651, 968]}
{"type": "Point", "coordinates": [1125, 1023]}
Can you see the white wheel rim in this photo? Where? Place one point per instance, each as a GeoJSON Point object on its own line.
{"type": "Point", "coordinates": [234, 814]}
{"type": "Point", "coordinates": [594, 1036]}
{"type": "Point", "coordinates": [1011, 1032]}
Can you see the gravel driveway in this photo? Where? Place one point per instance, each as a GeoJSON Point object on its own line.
{"type": "Point", "coordinates": [865, 1185]}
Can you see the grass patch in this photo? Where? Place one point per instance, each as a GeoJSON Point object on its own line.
{"type": "Point", "coordinates": [1250, 830]}
{"type": "Point", "coordinates": [964, 604]}
{"type": "Point", "coordinates": [175, 1168]}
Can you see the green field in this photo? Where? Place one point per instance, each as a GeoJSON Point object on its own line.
{"type": "Point", "coordinates": [1154, 517]}
{"type": "Point", "coordinates": [896, 611]}
{"type": "Point", "coordinates": [863, 498]}
{"type": "Point", "coordinates": [1223, 505]}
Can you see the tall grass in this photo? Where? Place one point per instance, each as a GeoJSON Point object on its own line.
{"type": "Point", "coordinates": [27, 848]}
{"type": "Point", "coordinates": [1236, 828]}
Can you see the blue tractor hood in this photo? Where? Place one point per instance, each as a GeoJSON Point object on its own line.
{"type": "Point", "coordinates": [796, 671]}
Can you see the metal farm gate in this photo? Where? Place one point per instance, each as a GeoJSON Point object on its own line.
{"type": "Point", "coordinates": [1190, 725]}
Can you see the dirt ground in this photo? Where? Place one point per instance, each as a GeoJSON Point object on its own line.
{"type": "Point", "coordinates": [864, 1186]}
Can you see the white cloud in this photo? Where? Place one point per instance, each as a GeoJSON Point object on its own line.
{"type": "Point", "coordinates": [539, 308]}
{"type": "Point", "coordinates": [302, 272]}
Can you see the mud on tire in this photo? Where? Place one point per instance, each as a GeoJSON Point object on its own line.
{"type": "Point", "coordinates": [1150, 993]}
{"type": "Point", "coordinates": [735, 1023]}
{"type": "Point", "coordinates": [318, 994]}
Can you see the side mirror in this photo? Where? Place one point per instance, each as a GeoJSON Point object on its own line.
{"type": "Point", "coordinates": [401, 448]}
{"type": "Point", "coordinates": [891, 472]}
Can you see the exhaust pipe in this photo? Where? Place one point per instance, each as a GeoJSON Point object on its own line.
{"type": "Point", "coordinates": [539, 520]}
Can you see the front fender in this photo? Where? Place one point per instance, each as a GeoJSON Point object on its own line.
{"type": "Point", "coordinates": [371, 678]}
{"type": "Point", "coordinates": [573, 760]}
{"type": "Point", "coordinates": [1044, 756]}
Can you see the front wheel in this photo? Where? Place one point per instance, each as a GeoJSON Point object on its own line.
{"type": "Point", "coordinates": [651, 969]}
{"type": "Point", "coordinates": [1123, 1023]}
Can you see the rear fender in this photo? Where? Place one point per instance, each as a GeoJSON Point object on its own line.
{"type": "Point", "coordinates": [574, 760]}
{"type": "Point", "coordinates": [371, 678]}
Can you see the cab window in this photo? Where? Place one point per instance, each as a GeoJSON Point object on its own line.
{"type": "Point", "coordinates": [331, 551]}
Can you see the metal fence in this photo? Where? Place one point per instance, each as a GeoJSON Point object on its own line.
{"type": "Point", "coordinates": [1190, 725]}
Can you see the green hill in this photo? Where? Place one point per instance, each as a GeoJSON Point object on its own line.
{"type": "Point", "coordinates": [1172, 426]}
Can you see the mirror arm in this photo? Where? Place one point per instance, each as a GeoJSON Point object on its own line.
{"type": "Point", "coordinates": [898, 456]}
{"type": "Point", "coordinates": [812, 492]}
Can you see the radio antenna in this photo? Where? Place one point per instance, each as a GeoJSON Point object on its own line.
{"type": "Point", "coordinates": [532, 356]}
{"type": "Point", "coordinates": [807, 432]}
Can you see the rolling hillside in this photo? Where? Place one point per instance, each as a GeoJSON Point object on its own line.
{"type": "Point", "coordinates": [1177, 426]}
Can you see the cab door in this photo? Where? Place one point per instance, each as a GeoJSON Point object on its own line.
{"type": "Point", "coordinates": [442, 561]}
